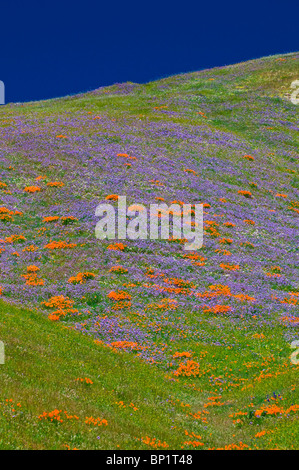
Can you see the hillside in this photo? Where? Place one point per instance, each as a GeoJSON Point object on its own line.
{"type": "Point", "coordinates": [211, 329]}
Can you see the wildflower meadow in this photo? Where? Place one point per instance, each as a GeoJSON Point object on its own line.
{"type": "Point", "coordinates": [137, 344]}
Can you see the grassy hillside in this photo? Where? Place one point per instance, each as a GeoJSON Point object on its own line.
{"type": "Point", "coordinates": [199, 343]}
{"type": "Point", "coordinates": [144, 408]}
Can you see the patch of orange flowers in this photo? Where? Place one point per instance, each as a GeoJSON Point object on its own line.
{"type": "Point", "coordinates": [55, 416]}
{"type": "Point", "coordinates": [85, 380]}
{"type": "Point", "coordinates": [182, 354]}
{"type": "Point", "coordinates": [125, 345]}
{"type": "Point", "coordinates": [155, 443]}
{"type": "Point", "coordinates": [55, 184]}
{"type": "Point", "coordinates": [118, 270]}
{"type": "Point", "coordinates": [217, 309]}
{"type": "Point", "coordinates": [218, 290]}
{"type": "Point", "coordinates": [274, 409]}
{"type": "Point", "coordinates": [57, 245]}
{"type": "Point", "coordinates": [116, 247]}
{"type": "Point", "coordinates": [245, 194]}
{"type": "Point", "coordinates": [81, 278]}
{"type": "Point", "coordinates": [164, 304]}
{"type": "Point", "coordinates": [188, 369]}
{"type": "Point", "coordinates": [63, 304]}
{"type": "Point", "coordinates": [96, 421]}
{"type": "Point", "coordinates": [119, 295]}
{"type": "Point", "coordinates": [229, 224]}
{"type": "Point", "coordinates": [50, 219]}
{"type": "Point", "coordinates": [32, 189]}
{"type": "Point", "coordinates": [229, 267]}
{"type": "Point", "coordinates": [31, 276]}
{"type": "Point", "coordinates": [226, 241]}
{"type": "Point", "coordinates": [68, 220]}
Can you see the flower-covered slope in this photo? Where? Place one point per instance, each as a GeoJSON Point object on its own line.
{"type": "Point", "coordinates": [225, 137]}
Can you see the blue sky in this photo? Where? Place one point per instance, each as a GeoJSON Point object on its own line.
{"type": "Point", "coordinates": [50, 49]}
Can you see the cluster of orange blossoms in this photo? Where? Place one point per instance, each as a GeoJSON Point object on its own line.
{"type": "Point", "coordinates": [245, 194]}
{"type": "Point", "coordinates": [57, 245]}
{"type": "Point", "coordinates": [55, 184]}
{"type": "Point", "coordinates": [55, 416]}
{"type": "Point", "coordinates": [164, 304]}
{"type": "Point", "coordinates": [63, 304]}
{"type": "Point", "coordinates": [188, 369]}
{"type": "Point", "coordinates": [126, 345]}
{"type": "Point", "coordinates": [193, 443]}
{"type": "Point", "coordinates": [274, 409]}
{"type": "Point", "coordinates": [68, 219]}
{"type": "Point", "coordinates": [85, 380]}
{"type": "Point", "coordinates": [213, 401]}
{"type": "Point", "coordinates": [30, 248]}
{"type": "Point", "coordinates": [119, 295]}
{"type": "Point", "coordinates": [51, 219]}
{"type": "Point", "coordinates": [65, 220]}
{"type": "Point", "coordinates": [122, 405]}
{"type": "Point", "coordinates": [182, 354]}
{"type": "Point", "coordinates": [223, 252]}
{"type": "Point", "coordinates": [96, 421]}
{"type": "Point", "coordinates": [116, 247]}
{"type": "Point", "coordinates": [14, 239]}
{"type": "Point", "coordinates": [240, 446]}
{"type": "Point", "coordinates": [6, 214]}
{"type": "Point", "coordinates": [155, 443]}
{"type": "Point", "coordinates": [81, 278]}
{"type": "Point", "coordinates": [32, 189]}
{"type": "Point", "coordinates": [229, 267]}
{"type": "Point", "coordinates": [118, 270]}
{"type": "Point", "coordinates": [229, 224]}
{"type": "Point", "coordinates": [219, 290]}
{"type": "Point", "coordinates": [217, 309]}
{"type": "Point", "coordinates": [31, 277]}
{"type": "Point", "coordinates": [226, 241]}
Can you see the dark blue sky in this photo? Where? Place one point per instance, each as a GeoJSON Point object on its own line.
{"type": "Point", "coordinates": [50, 49]}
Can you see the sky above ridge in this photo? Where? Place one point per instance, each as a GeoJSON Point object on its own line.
{"type": "Point", "coordinates": [52, 49]}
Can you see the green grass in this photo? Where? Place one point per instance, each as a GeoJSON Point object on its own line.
{"type": "Point", "coordinates": [43, 359]}
{"type": "Point", "coordinates": [42, 362]}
